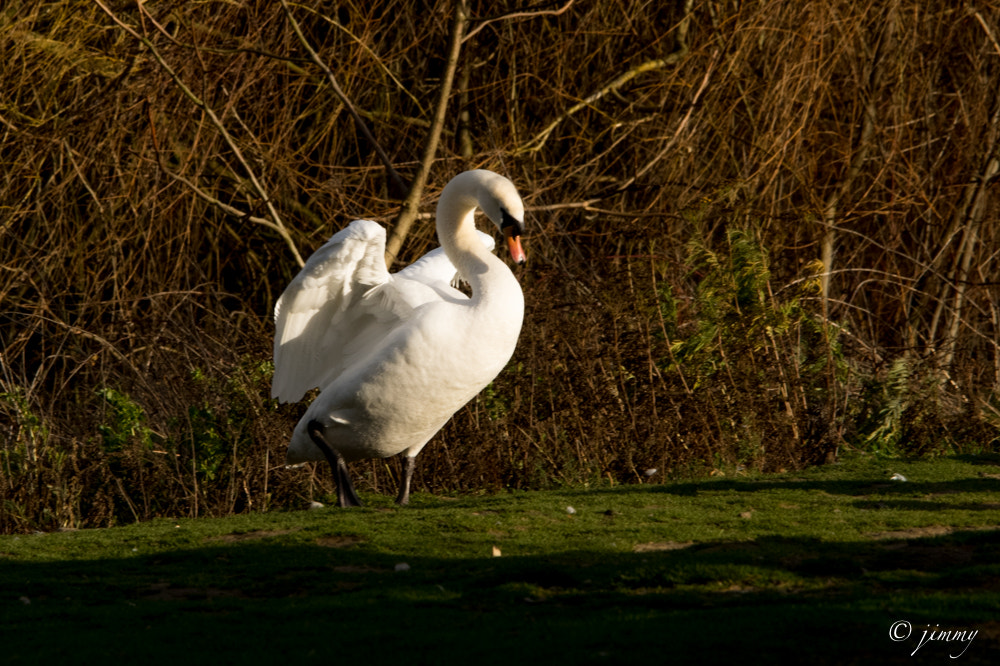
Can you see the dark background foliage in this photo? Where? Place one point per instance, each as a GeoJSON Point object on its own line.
{"type": "Point", "coordinates": [758, 232]}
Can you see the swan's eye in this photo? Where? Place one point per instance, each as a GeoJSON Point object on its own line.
{"type": "Point", "coordinates": [508, 220]}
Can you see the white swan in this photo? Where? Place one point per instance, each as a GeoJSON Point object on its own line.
{"type": "Point", "coordinates": [395, 356]}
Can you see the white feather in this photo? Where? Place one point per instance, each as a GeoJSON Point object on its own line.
{"type": "Point", "coordinates": [344, 303]}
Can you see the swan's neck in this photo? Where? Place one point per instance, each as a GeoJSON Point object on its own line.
{"type": "Point", "coordinates": [488, 276]}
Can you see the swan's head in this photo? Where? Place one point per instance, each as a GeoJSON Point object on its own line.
{"type": "Point", "coordinates": [500, 201]}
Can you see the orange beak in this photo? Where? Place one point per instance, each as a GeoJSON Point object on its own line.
{"type": "Point", "coordinates": [514, 245]}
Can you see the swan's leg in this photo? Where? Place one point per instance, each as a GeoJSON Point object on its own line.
{"type": "Point", "coordinates": [345, 490]}
{"type": "Point", "coordinates": [404, 487]}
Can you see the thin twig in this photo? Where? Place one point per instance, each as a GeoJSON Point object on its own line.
{"type": "Point", "coordinates": [226, 208]}
{"type": "Point", "coordinates": [82, 177]}
{"type": "Point", "coordinates": [518, 15]}
{"type": "Point", "coordinates": [989, 32]}
{"type": "Point", "coordinates": [542, 137]}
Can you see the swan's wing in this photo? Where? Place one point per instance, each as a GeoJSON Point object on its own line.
{"type": "Point", "coordinates": [318, 315]}
{"type": "Point", "coordinates": [343, 305]}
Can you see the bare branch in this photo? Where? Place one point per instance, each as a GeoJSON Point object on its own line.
{"type": "Point", "coordinates": [831, 209]}
{"type": "Point", "coordinates": [375, 58]}
{"type": "Point", "coordinates": [517, 15]}
{"type": "Point", "coordinates": [394, 177]}
{"type": "Point", "coordinates": [650, 65]}
{"type": "Point", "coordinates": [410, 207]}
{"type": "Point", "coordinates": [278, 225]}
{"type": "Point", "coordinates": [680, 127]}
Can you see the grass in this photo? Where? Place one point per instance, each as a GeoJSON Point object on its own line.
{"type": "Point", "coordinates": [810, 565]}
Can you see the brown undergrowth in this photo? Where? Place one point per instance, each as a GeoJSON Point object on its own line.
{"type": "Point", "coordinates": [757, 234]}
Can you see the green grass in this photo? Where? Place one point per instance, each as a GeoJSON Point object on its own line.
{"type": "Point", "coordinates": [813, 567]}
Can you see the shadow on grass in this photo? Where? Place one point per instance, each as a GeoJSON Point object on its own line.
{"type": "Point", "coordinates": [261, 600]}
{"type": "Point", "coordinates": [831, 487]}
{"type": "Point", "coordinates": [985, 459]}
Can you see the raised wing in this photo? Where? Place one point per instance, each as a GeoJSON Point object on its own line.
{"type": "Point", "coordinates": [344, 304]}
{"type": "Point", "coordinates": [320, 305]}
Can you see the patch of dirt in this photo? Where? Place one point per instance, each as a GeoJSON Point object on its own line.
{"type": "Point", "coordinates": [914, 532]}
{"type": "Point", "coordinates": [929, 531]}
{"type": "Point", "coordinates": [739, 589]}
{"type": "Point", "coordinates": [354, 568]}
{"type": "Point", "coordinates": [339, 541]}
{"type": "Point", "coordinates": [908, 549]}
{"type": "Point", "coordinates": [655, 546]}
{"type": "Point", "coordinates": [166, 592]}
{"type": "Point", "coordinates": [248, 536]}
